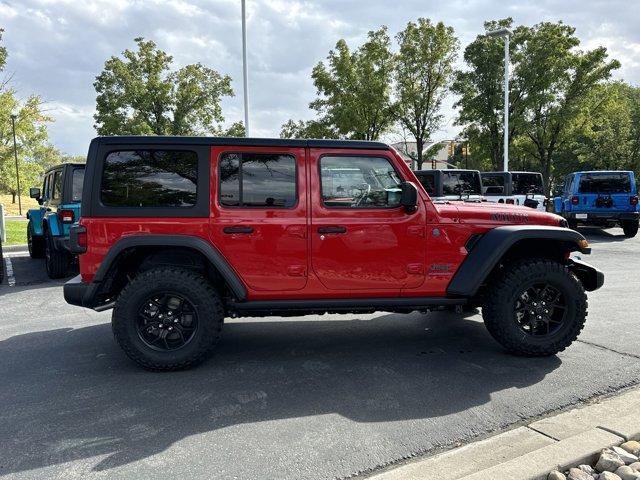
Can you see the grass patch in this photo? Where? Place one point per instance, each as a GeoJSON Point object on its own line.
{"type": "Point", "coordinates": [12, 208]}
{"type": "Point", "coordinates": [16, 232]}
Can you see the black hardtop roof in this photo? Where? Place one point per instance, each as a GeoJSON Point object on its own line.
{"type": "Point", "coordinates": [62, 165]}
{"type": "Point", "coordinates": [450, 170]}
{"type": "Point", "coordinates": [240, 142]}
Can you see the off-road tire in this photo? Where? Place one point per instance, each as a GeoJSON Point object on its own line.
{"type": "Point", "coordinates": [630, 228]}
{"type": "Point", "coordinates": [191, 286]}
{"type": "Point", "coordinates": [56, 261]}
{"type": "Point", "coordinates": [499, 308]}
{"type": "Point", "coordinates": [35, 243]}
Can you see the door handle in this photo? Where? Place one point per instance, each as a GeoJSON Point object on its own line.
{"type": "Point", "coordinates": [332, 229]}
{"type": "Point", "coordinates": [237, 229]}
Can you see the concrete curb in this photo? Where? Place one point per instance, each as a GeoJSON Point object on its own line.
{"type": "Point", "coordinates": [531, 452]}
{"type": "Point", "coordinates": [15, 248]}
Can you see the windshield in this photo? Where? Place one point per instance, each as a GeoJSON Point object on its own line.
{"type": "Point", "coordinates": [527, 183]}
{"type": "Point", "coordinates": [458, 183]}
{"type": "Point", "coordinates": [78, 179]}
{"type": "Point", "coordinates": [606, 182]}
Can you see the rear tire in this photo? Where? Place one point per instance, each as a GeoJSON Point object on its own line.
{"type": "Point", "coordinates": [630, 228]}
{"type": "Point", "coordinates": [34, 242]}
{"type": "Point", "coordinates": [56, 261]}
{"type": "Point", "coordinates": [149, 318]}
{"type": "Point", "coordinates": [519, 323]}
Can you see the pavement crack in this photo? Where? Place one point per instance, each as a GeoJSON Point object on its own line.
{"type": "Point", "coordinates": [602, 347]}
{"type": "Point", "coordinates": [543, 434]}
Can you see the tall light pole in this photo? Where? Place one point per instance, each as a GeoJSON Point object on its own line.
{"type": "Point", "coordinates": [245, 71]}
{"type": "Point", "coordinates": [506, 34]}
{"type": "Point", "coordinates": [15, 154]}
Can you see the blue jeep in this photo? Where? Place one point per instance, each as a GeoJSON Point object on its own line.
{"type": "Point", "coordinates": [48, 228]}
{"type": "Point", "coordinates": [601, 198]}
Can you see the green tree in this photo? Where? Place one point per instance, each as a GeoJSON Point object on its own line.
{"type": "Point", "coordinates": [422, 74]}
{"type": "Point", "coordinates": [307, 129]}
{"type": "Point", "coordinates": [481, 94]}
{"type": "Point", "coordinates": [354, 88]}
{"type": "Point", "coordinates": [553, 100]}
{"type": "Point", "coordinates": [141, 95]}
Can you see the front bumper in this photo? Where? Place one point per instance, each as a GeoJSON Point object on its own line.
{"type": "Point", "coordinates": [590, 277]}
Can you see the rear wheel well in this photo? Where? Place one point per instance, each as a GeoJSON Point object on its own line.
{"type": "Point", "coordinates": [135, 260]}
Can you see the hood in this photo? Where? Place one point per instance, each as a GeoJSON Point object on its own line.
{"type": "Point", "coordinates": [487, 213]}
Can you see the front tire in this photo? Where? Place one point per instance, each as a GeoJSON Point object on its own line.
{"type": "Point", "coordinates": [536, 307]}
{"type": "Point", "coordinates": [168, 319]}
{"type": "Point", "coordinates": [35, 243]}
{"type": "Point", "coordinates": [56, 261]}
{"type": "Point", "coordinates": [630, 228]}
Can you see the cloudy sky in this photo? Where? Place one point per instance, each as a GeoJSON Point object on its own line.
{"type": "Point", "coordinates": [57, 47]}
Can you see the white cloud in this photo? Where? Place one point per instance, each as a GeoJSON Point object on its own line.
{"type": "Point", "coordinates": [57, 47]}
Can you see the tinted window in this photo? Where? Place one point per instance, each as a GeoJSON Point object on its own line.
{"type": "Point", "coordinates": [428, 181]}
{"type": "Point", "coordinates": [359, 182]}
{"type": "Point", "coordinates": [493, 184]}
{"type": "Point", "coordinates": [257, 180]}
{"type": "Point", "coordinates": [57, 185]}
{"type": "Point", "coordinates": [460, 183]}
{"type": "Point", "coordinates": [150, 178]}
{"type": "Point", "coordinates": [527, 183]}
{"type": "Point", "coordinates": [45, 185]}
{"type": "Point", "coordinates": [608, 182]}
{"type": "Point", "coordinates": [76, 189]}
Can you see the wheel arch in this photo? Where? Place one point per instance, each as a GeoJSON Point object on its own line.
{"type": "Point", "coordinates": [137, 253]}
{"type": "Point", "coordinates": [504, 244]}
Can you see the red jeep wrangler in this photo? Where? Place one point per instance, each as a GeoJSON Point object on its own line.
{"type": "Point", "coordinates": [178, 233]}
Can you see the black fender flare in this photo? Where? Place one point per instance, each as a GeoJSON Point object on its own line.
{"type": "Point", "coordinates": [486, 252]}
{"type": "Point", "coordinates": [185, 241]}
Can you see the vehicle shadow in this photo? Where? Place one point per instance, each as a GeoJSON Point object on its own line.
{"type": "Point", "coordinates": [74, 395]}
{"type": "Point", "coordinates": [599, 235]}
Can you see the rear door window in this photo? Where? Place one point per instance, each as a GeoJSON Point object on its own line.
{"type": "Point", "coordinates": [606, 182]}
{"type": "Point", "coordinates": [257, 180]}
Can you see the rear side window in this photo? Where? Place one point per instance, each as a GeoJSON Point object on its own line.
{"type": "Point", "coordinates": [76, 188]}
{"type": "Point", "coordinates": [609, 182]}
{"type": "Point", "coordinates": [57, 185]}
{"type": "Point", "coordinates": [428, 181]}
{"type": "Point", "coordinates": [150, 178]}
{"type": "Point", "coordinates": [458, 183]}
{"type": "Point", "coordinates": [257, 180]}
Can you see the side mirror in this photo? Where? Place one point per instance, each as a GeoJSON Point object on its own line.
{"type": "Point", "coordinates": [409, 197]}
{"type": "Point", "coordinates": [557, 192]}
{"type": "Point", "coordinates": [34, 193]}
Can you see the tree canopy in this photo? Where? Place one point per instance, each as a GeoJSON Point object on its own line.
{"type": "Point", "coordinates": [139, 94]}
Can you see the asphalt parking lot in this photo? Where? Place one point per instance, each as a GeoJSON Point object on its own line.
{"type": "Point", "coordinates": [316, 397]}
